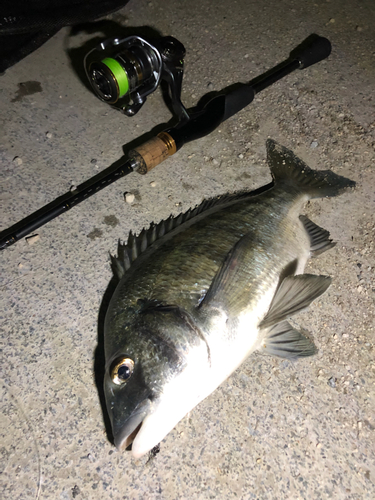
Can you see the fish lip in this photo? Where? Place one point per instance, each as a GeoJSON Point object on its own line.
{"type": "Point", "coordinates": [127, 433]}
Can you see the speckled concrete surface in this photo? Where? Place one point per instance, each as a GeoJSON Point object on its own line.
{"type": "Point", "coordinates": [275, 429]}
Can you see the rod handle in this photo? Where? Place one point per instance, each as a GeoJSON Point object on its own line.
{"type": "Point", "coordinates": [153, 152]}
{"type": "Point", "coordinates": [314, 49]}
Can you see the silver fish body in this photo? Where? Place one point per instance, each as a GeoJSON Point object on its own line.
{"type": "Point", "coordinates": [199, 293]}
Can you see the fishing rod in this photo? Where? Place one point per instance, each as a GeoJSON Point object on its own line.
{"type": "Point", "coordinates": [123, 73]}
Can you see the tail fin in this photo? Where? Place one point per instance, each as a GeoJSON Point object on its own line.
{"type": "Point", "coordinates": [286, 168]}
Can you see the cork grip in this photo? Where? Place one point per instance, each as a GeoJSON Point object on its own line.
{"type": "Point", "coordinates": [150, 154]}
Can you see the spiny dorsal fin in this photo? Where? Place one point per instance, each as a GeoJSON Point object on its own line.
{"type": "Point", "coordinates": [128, 252]}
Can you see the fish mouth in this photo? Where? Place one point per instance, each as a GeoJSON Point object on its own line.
{"type": "Point", "coordinates": [125, 436]}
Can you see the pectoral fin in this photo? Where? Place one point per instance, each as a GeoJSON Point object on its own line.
{"type": "Point", "coordinates": [294, 294]}
{"type": "Point", "coordinates": [233, 275]}
{"type": "Point", "coordinates": [284, 341]}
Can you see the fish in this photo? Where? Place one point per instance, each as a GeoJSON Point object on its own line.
{"type": "Point", "coordinates": [200, 292]}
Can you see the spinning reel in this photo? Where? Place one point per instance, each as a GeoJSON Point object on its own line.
{"type": "Point", "coordinates": [124, 72]}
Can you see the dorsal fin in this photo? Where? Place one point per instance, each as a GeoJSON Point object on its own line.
{"type": "Point", "coordinates": [128, 252]}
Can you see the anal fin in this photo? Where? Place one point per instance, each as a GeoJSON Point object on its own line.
{"type": "Point", "coordinates": [294, 294]}
{"type": "Point", "coordinates": [284, 341]}
{"type": "Point", "coordinates": [319, 237]}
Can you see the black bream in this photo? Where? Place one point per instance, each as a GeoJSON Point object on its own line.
{"type": "Point", "coordinates": [199, 293]}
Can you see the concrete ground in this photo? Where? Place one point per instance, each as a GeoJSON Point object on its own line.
{"type": "Point", "coordinates": [275, 429]}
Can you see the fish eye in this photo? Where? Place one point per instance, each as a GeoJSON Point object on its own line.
{"type": "Point", "coordinates": [121, 370]}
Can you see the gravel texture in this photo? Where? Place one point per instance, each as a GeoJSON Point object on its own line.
{"type": "Point", "coordinates": [275, 429]}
